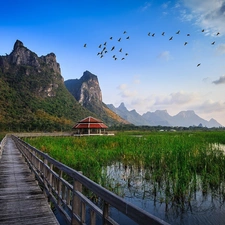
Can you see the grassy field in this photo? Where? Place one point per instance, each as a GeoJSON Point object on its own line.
{"type": "Point", "coordinates": [177, 163]}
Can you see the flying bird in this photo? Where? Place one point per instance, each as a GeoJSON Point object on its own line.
{"type": "Point", "coordinates": [163, 33]}
{"type": "Point", "coordinates": [218, 33]}
{"type": "Point", "coordinates": [149, 34]}
{"type": "Point", "coordinates": [213, 43]}
{"type": "Point", "coordinates": [105, 43]}
{"type": "Point", "coordinates": [110, 38]}
{"type": "Point", "coordinates": [128, 37]}
{"type": "Point", "coordinates": [124, 32]}
{"type": "Point", "coordinates": [120, 50]}
{"type": "Point", "coordinates": [198, 64]}
{"type": "Point", "coordinates": [185, 43]}
{"type": "Point", "coordinates": [119, 39]}
{"type": "Point", "coordinates": [100, 46]}
{"type": "Point", "coordinates": [113, 48]}
{"type": "Point", "coordinates": [188, 35]}
{"type": "Point", "coordinates": [178, 32]}
{"type": "Point", "coordinates": [153, 35]}
{"type": "Point", "coordinates": [85, 45]}
{"type": "Point", "coordinates": [122, 58]}
{"type": "Point", "coordinates": [114, 56]}
{"type": "Point", "coordinates": [203, 30]}
{"type": "Point", "coordinates": [101, 56]}
{"type": "Point", "coordinates": [126, 54]}
{"type": "Point", "coordinates": [171, 38]}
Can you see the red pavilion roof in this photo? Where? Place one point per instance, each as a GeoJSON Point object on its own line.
{"type": "Point", "coordinates": [90, 122]}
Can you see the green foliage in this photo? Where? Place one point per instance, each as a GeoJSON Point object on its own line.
{"type": "Point", "coordinates": [176, 164]}
{"type": "Point", "coordinates": [26, 106]}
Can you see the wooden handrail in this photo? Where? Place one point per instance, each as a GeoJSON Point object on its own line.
{"type": "Point", "coordinates": [2, 143]}
{"type": "Point", "coordinates": [69, 198]}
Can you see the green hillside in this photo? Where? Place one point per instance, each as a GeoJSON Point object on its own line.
{"type": "Point", "coordinates": [33, 96]}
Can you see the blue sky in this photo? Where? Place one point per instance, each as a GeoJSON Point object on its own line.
{"type": "Point", "coordinates": [157, 73]}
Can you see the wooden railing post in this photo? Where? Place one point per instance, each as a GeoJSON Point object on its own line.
{"type": "Point", "coordinates": [76, 204]}
{"type": "Point", "coordinates": [45, 171]}
{"type": "Point", "coordinates": [93, 217]}
{"type": "Point", "coordinates": [50, 178]}
{"type": "Point", "coordinates": [105, 212]}
{"type": "Point", "coordinates": [59, 187]}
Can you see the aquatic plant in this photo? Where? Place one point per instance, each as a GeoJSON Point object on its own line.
{"type": "Point", "coordinates": [172, 166]}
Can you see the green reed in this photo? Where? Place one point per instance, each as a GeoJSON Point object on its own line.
{"type": "Point", "coordinates": [176, 164]}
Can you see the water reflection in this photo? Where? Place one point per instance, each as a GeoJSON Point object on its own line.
{"type": "Point", "coordinates": [134, 183]}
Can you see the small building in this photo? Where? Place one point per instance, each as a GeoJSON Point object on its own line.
{"type": "Point", "coordinates": [90, 126]}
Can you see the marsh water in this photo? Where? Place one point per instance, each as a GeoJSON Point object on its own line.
{"type": "Point", "coordinates": [133, 183]}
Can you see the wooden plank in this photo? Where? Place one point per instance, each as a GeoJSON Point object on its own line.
{"type": "Point", "coordinates": [21, 199]}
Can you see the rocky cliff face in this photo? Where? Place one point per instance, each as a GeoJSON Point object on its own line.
{"type": "Point", "coordinates": [87, 92]}
{"type": "Point", "coordinates": [23, 56]}
{"type": "Point", "coordinates": [23, 62]}
{"type": "Point", "coordinates": [33, 95]}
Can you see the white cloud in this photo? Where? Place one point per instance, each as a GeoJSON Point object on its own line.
{"type": "Point", "coordinates": [145, 6]}
{"type": "Point", "coordinates": [178, 98]}
{"type": "Point", "coordinates": [165, 55]}
{"type": "Point", "coordinates": [221, 80]}
{"type": "Point", "coordinates": [185, 16]}
{"type": "Point", "coordinates": [208, 14]}
{"type": "Point", "coordinates": [220, 50]}
{"type": "Point", "coordinates": [142, 104]}
{"type": "Point", "coordinates": [206, 79]}
{"type": "Point", "coordinates": [211, 106]}
{"type": "Point", "coordinates": [165, 5]}
{"type": "Point", "coordinates": [174, 102]}
{"type": "Point", "coordinates": [177, 5]}
{"type": "Point", "coordinates": [122, 87]}
{"type": "Point", "coordinates": [126, 92]}
{"type": "Point", "coordinates": [136, 79]}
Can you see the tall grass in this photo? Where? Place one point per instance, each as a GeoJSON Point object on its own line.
{"type": "Point", "coordinates": [176, 165]}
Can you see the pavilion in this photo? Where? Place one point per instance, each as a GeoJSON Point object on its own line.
{"type": "Point", "coordinates": [90, 126]}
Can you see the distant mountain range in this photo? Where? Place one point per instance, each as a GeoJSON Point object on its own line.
{"type": "Point", "coordinates": [161, 117]}
{"type": "Point", "coordinates": [34, 96]}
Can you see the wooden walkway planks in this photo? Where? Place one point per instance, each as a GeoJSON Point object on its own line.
{"type": "Point", "coordinates": [21, 199]}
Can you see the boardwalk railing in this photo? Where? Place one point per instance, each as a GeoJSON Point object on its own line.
{"type": "Point", "coordinates": [2, 143]}
{"type": "Point", "coordinates": [69, 199]}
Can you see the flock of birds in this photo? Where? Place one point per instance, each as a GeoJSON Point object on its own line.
{"type": "Point", "coordinates": [103, 47]}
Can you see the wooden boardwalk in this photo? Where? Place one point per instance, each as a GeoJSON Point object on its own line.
{"type": "Point", "coordinates": [21, 199]}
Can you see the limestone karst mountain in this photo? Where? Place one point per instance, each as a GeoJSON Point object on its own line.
{"type": "Point", "coordinates": [33, 95]}
{"type": "Point", "coordinates": [87, 92]}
